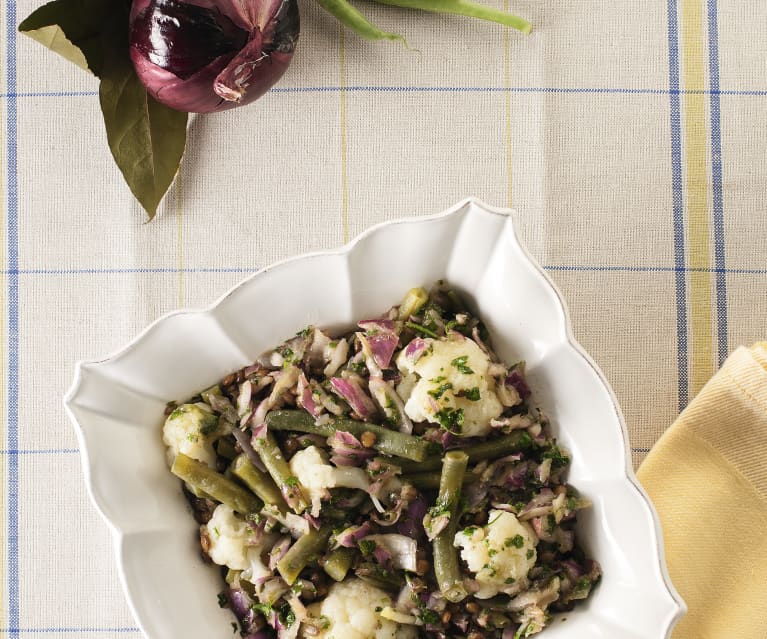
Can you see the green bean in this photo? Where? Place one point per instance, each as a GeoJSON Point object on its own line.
{"type": "Point", "coordinates": [464, 8]}
{"type": "Point", "coordinates": [445, 555]}
{"type": "Point", "coordinates": [430, 480]}
{"type": "Point", "coordinates": [207, 480]}
{"type": "Point", "coordinates": [225, 448]}
{"type": "Point", "coordinates": [378, 576]}
{"type": "Point", "coordinates": [414, 299]}
{"type": "Point", "coordinates": [303, 552]}
{"type": "Point", "coordinates": [390, 442]}
{"type": "Point", "coordinates": [348, 15]}
{"type": "Point", "coordinates": [517, 441]}
{"type": "Point", "coordinates": [338, 562]}
{"type": "Point", "coordinates": [259, 483]}
{"type": "Point", "coordinates": [291, 489]}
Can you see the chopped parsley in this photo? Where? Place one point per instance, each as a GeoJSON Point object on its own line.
{"type": "Point", "coordinates": [429, 617]}
{"type": "Point", "coordinates": [436, 393]}
{"type": "Point", "coordinates": [461, 365]}
{"type": "Point", "coordinates": [215, 530]}
{"type": "Point", "coordinates": [530, 553]}
{"type": "Point", "coordinates": [559, 458]}
{"type": "Point", "coordinates": [469, 532]}
{"type": "Point", "coordinates": [367, 546]}
{"type": "Point", "coordinates": [492, 552]}
{"type": "Point", "coordinates": [421, 329]}
{"type": "Point", "coordinates": [472, 394]}
{"type": "Point", "coordinates": [262, 609]}
{"type": "Point", "coordinates": [235, 627]}
{"type": "Point", "coordinates": [223, 600]}
{"type": "Point", "coordinates": [517, 541]}
{"type": "Point", "coordinates": [291, 482]}
{"type": "Point", "coordinates": [305, 332]}
{"type": "Point", "coordinates": [509, 580]}
{"type": "Point", "coordinates": [451, 419]}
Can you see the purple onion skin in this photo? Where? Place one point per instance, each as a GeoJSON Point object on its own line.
{"type": "Point", "coordinates": [203, 56]}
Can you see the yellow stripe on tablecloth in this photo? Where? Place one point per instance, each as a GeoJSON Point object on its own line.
{"type": "Point", "coordinates": [507, 80]}
{"type": "Point", "coordinates": [696, 154]}
{"type": "Point", "coordinates": [180, 232]}
{"type": "Point", "coordinates": [342, 84]}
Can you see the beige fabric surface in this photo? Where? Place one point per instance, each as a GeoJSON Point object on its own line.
{"type": "Point", "coordinates": [629, 135]}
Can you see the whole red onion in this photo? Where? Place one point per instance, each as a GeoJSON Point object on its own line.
{"type": "Point", "coordinates": [210, 55]}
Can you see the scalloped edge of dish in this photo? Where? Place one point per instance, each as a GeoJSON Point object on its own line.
{"type": "Point", "coordinates": [82, 367]}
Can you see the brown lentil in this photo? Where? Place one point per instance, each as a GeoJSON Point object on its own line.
{"type": "Point", "coordinates": [446, 617]}
{"type": "Point", "coordinates": [228, 380]}
{"type": "Point", "coordinates": [421, 567]}
{"type": "Point", "coordinates": [368, 439]}
{"type": "Point", "coordinates": [472, 607]}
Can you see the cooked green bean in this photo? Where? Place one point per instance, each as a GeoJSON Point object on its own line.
{"type": "Point", "coordinates": [378, 576]}
{"type": "Point", "coordinates": [303, 552]}
{"type": "Point", "coordinates": [445, 555]}
{"type": "Point", "coordinates": [207, 480]}
{"type": "Point", "coordinates": [390, 442]}
{"type": "Point", "coordinates": [431, 480]}
{"type": "Point", "coordinates": [338, 562]}
{"type": "Point", "coordinates": [518, 440]}
{"type": "Point", "coordinates": [259, 483]}
{"type": "Point", "coordinates": [225, 448]}
{"type": "Point", "coordinates": [348, 15]}
{"type": "Point", "coordinates": [291, 489]}
{"type": "Point", "coordinates": [465, 8]}
{"type": "Point", "coordinates": [414, 299]}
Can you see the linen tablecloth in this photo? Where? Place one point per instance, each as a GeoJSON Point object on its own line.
{"type": "Point", "coordinates": [630, 136]}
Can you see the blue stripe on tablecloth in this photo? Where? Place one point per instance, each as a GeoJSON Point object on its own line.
{"type": "Point", "coordinates": [253, 269]}
{"type": "Point", "coordinates": [426, 89]}
{"type": "Point", "coordinates": [716, 181]}
{"type": "Point", "coordinates": [41, 451]}
{"type": "Point", "coordinates": [678, 205]}
{"type": "Point", "coordinates": [12, 563]}
{"type": "Point", "coordinates": [36, 631]}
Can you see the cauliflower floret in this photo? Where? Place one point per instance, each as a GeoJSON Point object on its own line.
{"type": "Point", "coordinates": [500, 554]}
{"type": "Point", "coordinates": [350, 607]}
{"type": "Point", "coordinates": [453, 387]}
{"type": "Point", "coordinates": [310, 466]}
{"type": "Point", "coordinates": [231, 544]}
{"type": "Point", "coordinates": [189, 429]}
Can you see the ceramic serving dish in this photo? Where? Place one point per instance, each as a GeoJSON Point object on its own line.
{"type": "Point", "coordinates": [117, 404]}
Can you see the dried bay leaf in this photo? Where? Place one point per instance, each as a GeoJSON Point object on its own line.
{"type": "Point", "coordinates": [146, 138]}
{"type": "Point", "coordinates": [74, 29]}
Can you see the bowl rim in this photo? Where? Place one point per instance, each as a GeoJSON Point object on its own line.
{"type": "Point", "coordinates": [82, 365]}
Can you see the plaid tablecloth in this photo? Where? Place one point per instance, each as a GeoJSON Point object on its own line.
{"type": "Point", "coordinates": [630, 135]}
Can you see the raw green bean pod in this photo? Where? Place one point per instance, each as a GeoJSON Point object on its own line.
{"type": "Point", "coordinates": [431, 480]}
{"type": "Point", "coordinates": [465, 8]}
{"type": "Point", "coordinates": [207, 480]}
{"type": "Point", "coordinates": [345, 13]}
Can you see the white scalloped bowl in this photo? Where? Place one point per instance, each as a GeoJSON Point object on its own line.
{"type": "Point", "coordinates": [117, 406]}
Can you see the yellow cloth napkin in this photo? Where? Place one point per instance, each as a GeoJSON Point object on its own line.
{"type": "Point", "coordinates": [707, 476]}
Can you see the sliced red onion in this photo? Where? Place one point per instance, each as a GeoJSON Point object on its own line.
{"type": "Point", "coordinates": [539, 597]}
{"type": "Point", "coordinates": [544, 470]}
{"type": "Point", "coordinates": [391, 404]}
{"type": "Point", "coordinates": [315, 354]}
{"type": "Point", "coordinates": [401, 550]}
{"type": "Point", "coordinates": [517, 380]}
{"type": "Point", "coordinates": [278, 551]}
{"type": "Point", "coordinates": [335, 356]}
{"type": "Point", "coordinates": [382, 338]}
{"type": "Point", "coordinates": [243, 399]}
{"type": "Point", "coordinates": [222, 405]}
{"type": "Point", "coordinates": [244, 441]}
{"type": "Point", "coordinates": [416, 348]}
{"type": "Point", "coordinates": [367, 353]}
{"type": "Point", "coordinates": [350, 390]}
{"type": "Point", "coordinates": [383, 557]}
{"type": "Point", "coordinates": [305, 397]}
{"type": "Point", "coordinates": [412, 524]}
{"type": "Point", "coordinates": [349, 537]}
{"type": "Point", "coordinates": [540, 526]}
{"type": "Point", "coordinates": [348, 450]}
{"type": "Point", "coordinates": [313, 521]}
{"type": "Point", "coordinates": [240, 604]}
{"type": "Point", "coordinates": [435, 525]}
